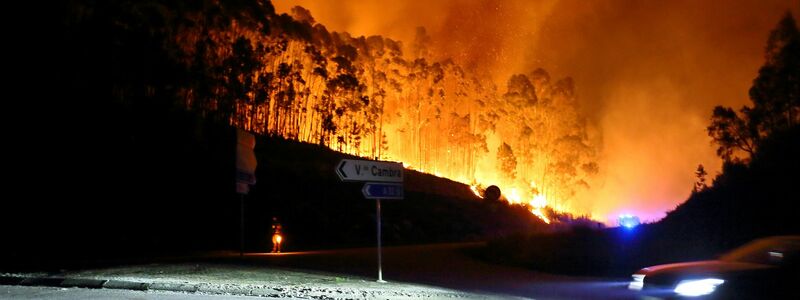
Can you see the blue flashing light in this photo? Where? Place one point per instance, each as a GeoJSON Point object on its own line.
{"type": "Point", "coordinates": [629, 221]}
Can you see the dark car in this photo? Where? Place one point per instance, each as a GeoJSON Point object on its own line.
{"type": "Point", "coordinates": [766, 268]}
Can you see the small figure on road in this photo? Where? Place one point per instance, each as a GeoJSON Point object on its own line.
{"type": "Point", "coordinates": [277, 238]}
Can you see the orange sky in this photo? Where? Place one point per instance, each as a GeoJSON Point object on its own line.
{"type": "Point", "coordinates": [647, 73]}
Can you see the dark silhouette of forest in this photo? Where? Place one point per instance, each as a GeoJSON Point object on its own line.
{"type": "Point", "coordinates": [137, 158]}
{"type": "Point", "coordinates": [754, 196]}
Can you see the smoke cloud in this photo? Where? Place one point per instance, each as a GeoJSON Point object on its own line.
{"type": "Point", "coordinates": [647, 73]}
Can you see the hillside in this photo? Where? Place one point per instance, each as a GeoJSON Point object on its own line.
{"type": "Point", "coordinates": [746, 201]}
{"type": "Point", "coordinates": [297, 183]}
{"type": "Point", "coordinates": [155, 179]}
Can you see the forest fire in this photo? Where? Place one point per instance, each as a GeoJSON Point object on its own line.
{"type": "Point", "coordinates": [372, 97]}
{"type": "Point", "coordinates": [460, 101]}
{"type": "Point", "coordinates": [536, 205]}
{"type": "Point", "coordinates": [474, 189]}
{"type": "Point", "coordinates": [539, 213]}
{"type": "Point", "coordinates": [646, 79]}
{"type": "Point", "coordinates": [160, 92]}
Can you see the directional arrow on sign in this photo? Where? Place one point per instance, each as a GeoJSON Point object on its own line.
{"type": "Point", "coordinates": [390, 175]}
{"type": "Point", "coordinates": [369, 170]}
{"type": "Point", "coordinates": [375, 190]}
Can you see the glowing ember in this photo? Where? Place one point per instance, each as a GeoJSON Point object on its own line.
{"type": "Point", "coordinates": [538, 212]}
{"type": "Point", "coordinates": [514, 197]}
{"type": "Point", "coordinates": [536, 204]}
{"type": "Point", "coordinates": [474, 189]}
{"type": "Point", "coordinates": [538, 201]}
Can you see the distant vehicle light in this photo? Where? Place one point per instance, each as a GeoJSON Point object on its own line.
{"type": "Point", "coordinates": [628, 221]}
{"type": "Point", "coordinates": [700, 287]}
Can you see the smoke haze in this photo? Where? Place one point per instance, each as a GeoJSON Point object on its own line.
{"type": "Point", "coordinates": [647, 73]}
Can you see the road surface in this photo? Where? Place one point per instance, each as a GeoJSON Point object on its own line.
{"type": "Point", "coordinates": [53, 293]}
{"type": "Point", "coordinates": [426, 271]}
{"type": "Point", "coordinates": [453, 266]}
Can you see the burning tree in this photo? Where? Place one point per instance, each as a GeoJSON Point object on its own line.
{"type": "Point", "coordinates": [287, 75]}
{"type": "Point", "coordinates": [507, 162]}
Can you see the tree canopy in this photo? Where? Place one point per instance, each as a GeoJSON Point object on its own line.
{"type": "Point", "coordinates": [775, 97]}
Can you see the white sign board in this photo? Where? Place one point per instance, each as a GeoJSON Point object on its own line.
{"type": "Point", "coordinates": [369, 170]}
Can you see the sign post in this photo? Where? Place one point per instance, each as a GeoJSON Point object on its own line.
{"type": "Point", "coordinates": [380, 253]}
{"type": "Point", "coordinates": [384, 180]}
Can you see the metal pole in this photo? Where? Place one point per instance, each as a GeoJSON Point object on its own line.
{"type": "Point", "coordinates": [380, 269]}
{"type": "Point", "coordinates": [241, 225]}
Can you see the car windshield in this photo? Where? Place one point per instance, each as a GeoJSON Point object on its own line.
{"type": "Point", "coordinates": [772, 251]}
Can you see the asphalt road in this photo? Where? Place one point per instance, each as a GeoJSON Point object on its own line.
{"type": "Point", "coordinates": [43, 292]}
{"type": "Point", "coordinates": [426, 271]}
{"type": "Point", "coordinates": [453, 266]}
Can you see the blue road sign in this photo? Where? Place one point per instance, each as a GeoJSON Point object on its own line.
{"type": "Point", "coordinates": [374, 190]}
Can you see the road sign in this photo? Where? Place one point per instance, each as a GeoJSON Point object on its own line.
{"type": "Point", "coordinates": [245, 174]}
{"type": "Point", "coordinates": [369, 170]}
{"type": "Point", "coordinates": [373, 190]}
{"type": "Point", "coordinates": [377, 172]}
{"type": "Point", "coordinates": [245, 161]}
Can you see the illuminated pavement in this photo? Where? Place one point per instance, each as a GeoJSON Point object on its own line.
{"type": "Point", "coordinates": [451, 266]}
{"type": "Point", "coordinates": [38, 292]}
{"type": "Point", "coordinates": [430, 271]}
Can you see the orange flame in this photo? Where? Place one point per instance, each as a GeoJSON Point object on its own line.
{"type": "Point", "coordinates": [370, 97]}
{"type": "Point", "coordinates": [537, 204]}
{"type": "Point", "coordinates": [474, 189]}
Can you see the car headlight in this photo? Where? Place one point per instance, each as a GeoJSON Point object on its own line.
{"type": "Point", "coordinates": [697, 287]}
{"type": "Point", "coordinates": [637, 283]}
